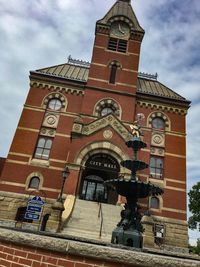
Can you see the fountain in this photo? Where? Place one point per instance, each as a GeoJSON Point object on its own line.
{"type": "Point", "coordinates": [129, 230]}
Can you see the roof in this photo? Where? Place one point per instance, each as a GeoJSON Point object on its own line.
{"type": "Point", "coordinates": [122, 8]}
{"type": "Point", "coordinates": [68, 71]}
{"type": "Point", "coordinates": [79, 73]}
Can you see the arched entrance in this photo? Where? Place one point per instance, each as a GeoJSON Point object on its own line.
{"type": "Point", "coordinates": [99, 168]}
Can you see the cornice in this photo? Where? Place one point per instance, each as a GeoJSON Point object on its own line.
{"type": "Point", "coordinates": [56, 87]}
{"type": "Point", "coordinates": [162, 107]}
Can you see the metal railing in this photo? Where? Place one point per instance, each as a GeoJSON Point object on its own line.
{"type": "Point", "coordinates": [100, 215]}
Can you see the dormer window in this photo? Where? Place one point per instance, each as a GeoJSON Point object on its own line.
{"type": "Point", "coordinates": [117, 45]}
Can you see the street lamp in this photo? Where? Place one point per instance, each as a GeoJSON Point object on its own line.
{"type": "Point", "coordinates": [65, 174]}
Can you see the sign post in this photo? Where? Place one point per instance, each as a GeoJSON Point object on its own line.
{"type": "Point", "coordinates": [34, 208]}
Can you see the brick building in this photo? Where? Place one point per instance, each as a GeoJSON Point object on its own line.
{"type": "Point", "coordinates": [78, 114]}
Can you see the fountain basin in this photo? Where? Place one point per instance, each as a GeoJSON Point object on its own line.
{"type": "Point", "coordinates": [136, 143]}
{"type": "Point", "coordinates": [134, 189]}
{"type": "Point", "coordinates": [134, 165]}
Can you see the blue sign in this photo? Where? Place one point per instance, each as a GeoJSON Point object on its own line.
{"type": "Point", "coordinates": [36, 200]}
{"type": "Point", "coordinates": [32, 208]}
{"type": "Point", "coordinates": [32, 216]}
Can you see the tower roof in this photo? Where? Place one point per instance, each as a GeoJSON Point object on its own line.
{"type": "Point", "coordinates": [122, 10]}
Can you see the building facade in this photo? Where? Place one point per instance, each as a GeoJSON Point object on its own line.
{"type": "Point", "coordinates": [78, 114]}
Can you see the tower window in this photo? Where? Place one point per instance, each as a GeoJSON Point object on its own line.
{"type": "Point", "coordinates": [43, 148]}
{"type": "Point", "coordinates": [156, 167]}
{"type": "Point", "coordinates": [158, 123]}
{"type": "Point", "coordinates": [54, 104]}
{"type": "Point", "coordinates": [113, 73]}
{"type": "Point", "coordinates": [117, 45]}
{"type": "Point", "coordinates": [34, 182]}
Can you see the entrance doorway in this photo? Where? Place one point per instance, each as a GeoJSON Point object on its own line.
{"type": "Point", "coordinates": [99, 168]}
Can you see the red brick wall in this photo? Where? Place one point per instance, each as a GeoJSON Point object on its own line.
{"type": "Point", "coordinates": [2, 161]}
{"type": "Point", "coordinates": [20, 256]}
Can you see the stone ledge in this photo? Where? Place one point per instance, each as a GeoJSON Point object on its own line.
{"type": "Point", "coordinates": [107, 252]}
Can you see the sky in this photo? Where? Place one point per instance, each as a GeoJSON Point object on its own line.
{"type": "Point", "coordinates": [41, 33]}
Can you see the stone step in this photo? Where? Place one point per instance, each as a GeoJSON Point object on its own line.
{"type": "Point", "coordinates": [84, 221]}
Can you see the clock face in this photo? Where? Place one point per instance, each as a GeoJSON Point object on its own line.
{"type": "Point", "coordinates": [120, 29]}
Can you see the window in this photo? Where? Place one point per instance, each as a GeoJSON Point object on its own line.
{"type": "Point", "coordinates": [34, 182]}
{"type": "Point", "coordinates": [154, 203]}
{"type": "Point", "coordinates": [156, 167]}
{"type": "Point", "coordinates": [158, 123]}
{"type": "Point", "coordinates": [54, 104]}
{"type": "Point", "coordinates": [113, 73]}
{"type": "Point", "coordinates": [107, 110]}
{"type": "Point", "coordinates": [43, 148]}
{"type": "Point", "coordinates": [117, 45]}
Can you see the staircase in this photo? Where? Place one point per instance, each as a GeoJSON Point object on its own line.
{"type": "Point", "coordinates": [87, 218]}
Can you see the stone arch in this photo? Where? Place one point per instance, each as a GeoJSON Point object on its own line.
{"type": "Point", "coordinates": [57, 95]}
{"type": "Point", "coordinates": [107, 102]}
{"type": "Point", "coordinates": [30, 176]}
{"type": "Point", "coordinates": [115, 62]}
{"type": "Point", "coordinates": [158, 114]}
{"type": "Point", "coordinates": [102, 147]}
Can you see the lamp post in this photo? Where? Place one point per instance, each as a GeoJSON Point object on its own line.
{"type": "Point", "coordinates": [65, 174]}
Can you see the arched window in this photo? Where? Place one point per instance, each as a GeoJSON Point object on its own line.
{"type": "Point", "coordinates": [34, 182]}
{"type": "Point", "coordinates": [154, 203]}
{"type": "Point", "coordinates": [113, 73]}
{"type": "Point", "coordinates": [43, 148]}
{"type": "Point", "coordinates": [54, 104]}
{"type": "Point", "coordinates": [156, 167]}
{"type": "Point", "coordinates": [158, 123]}
{"type": "Point", "coordinates": [107, 106]}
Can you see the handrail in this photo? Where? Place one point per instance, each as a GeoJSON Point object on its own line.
{"type": "Point", "coordinates": [100, 214]}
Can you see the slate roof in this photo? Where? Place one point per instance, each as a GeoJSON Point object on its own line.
{"type": "Point", "coordinates": [80, 73]}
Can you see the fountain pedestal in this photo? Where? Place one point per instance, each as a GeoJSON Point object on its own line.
{"type": "Point", "coordinates": [129, 230]}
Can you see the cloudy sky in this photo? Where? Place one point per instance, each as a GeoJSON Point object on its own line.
{"type": "Point", "coordinates": [41, 33]}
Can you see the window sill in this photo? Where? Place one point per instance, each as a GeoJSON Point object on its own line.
{"type": "Point", "coordinates": [40, 162]}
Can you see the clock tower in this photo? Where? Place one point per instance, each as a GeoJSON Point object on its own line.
{"type": "Point", "coordinates": [116, 53]}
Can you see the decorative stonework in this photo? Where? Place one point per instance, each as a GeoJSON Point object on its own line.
{"type": "Point", "coordinates": [162, 107]}
{"type": "Point", "coordinates": [101, 147]}
{"type": "Point", "coordinates": [56, 87]}
{"type": "Point", "coordinates": [157, 151]}
{"type": "Point", "coordinates": [57, 96]}
{"type": "Point", "coordinates": [51, 120]}
{"type": "Point", "coordinates": [77, 128]}
{"type": "Point", "coordinates": [47, 132]}
{"type": "Point", "coordinates": [107, 134]}
{"type": "Point", "coordinates": [158, 139]}
{"type": "Point", "coordinates": [106, 103]}
{"type": "Point", "coordinates": [157, 114]}
{"type": "Point", "coordinates": [97, 125]}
